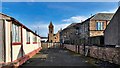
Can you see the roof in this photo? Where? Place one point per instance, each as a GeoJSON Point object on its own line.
{"type": "Point", "coordinates": [44, 37]}
{"type": "Point", "coordinates": [115, 15]}
{"type": "Point", "coordinates": [99, 16]}
{"type": "Point", "coordinates": [77, 25]}
{"type": "Point", "coordinates": [71, 25]}
{"type": "Point", "coordinates": [51, 25]}
{"type": "Point", "coordinates": [103, 16]}
{"type": "Point", "coordinates": [16, 21]}
{"type": "Point", "coordinates": [4, 16]}
{"type": "Point", "coordinates": [87, 19]}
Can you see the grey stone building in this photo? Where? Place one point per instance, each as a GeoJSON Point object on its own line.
{"type": "Point", "coordinates": [88, 32]}
{"type": "Point", "coordinates": [70, 34]}
{"type": "Point", "coordinates": [112, 32]}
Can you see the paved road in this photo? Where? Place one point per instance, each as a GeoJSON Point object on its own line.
{"type": "Point", "coordinates": [57, 57]}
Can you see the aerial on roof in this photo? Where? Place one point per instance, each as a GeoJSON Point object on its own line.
{"type": "Point", "coordinates": [103, 16]}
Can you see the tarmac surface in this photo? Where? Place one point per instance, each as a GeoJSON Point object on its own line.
{"type": "Point", "coordinates": [56, 57]}
{"type": "Point", "coordinates": [61, 57]}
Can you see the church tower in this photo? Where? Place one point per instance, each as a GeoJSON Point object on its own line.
{"type": "Point", "coordinates": [51, 32]}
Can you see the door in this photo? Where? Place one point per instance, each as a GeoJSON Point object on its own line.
{"type": "Point", "coordinates": [2, 55]}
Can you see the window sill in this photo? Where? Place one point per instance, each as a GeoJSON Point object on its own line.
{"type": "Point", "coordinates": [16, 43]}
{"type": "Point", "coordinates": [34, 42]}
{"type": "Point", "coordinates": [27, 42]}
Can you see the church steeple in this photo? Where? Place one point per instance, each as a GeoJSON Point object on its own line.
{"type": "Point", "coordinates": [51, 25]}
{"type": "Point", "coordinates": [51, 32]}
{"type": "Point", "coordinates": [51, 28]}
{"type": "Point", "coordinates": [51, 36]}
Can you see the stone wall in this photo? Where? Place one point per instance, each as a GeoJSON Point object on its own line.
{"type": "Point", "coordinates": [46, 45]}
{"type": "Point", "coordinates": [106, 54]}
{"type": "Point", "coordinates": [96, 33]}
{"type": "Point", "coordinates": [70, 47]}
{"type": "Point", "coordinates": [109, 54]}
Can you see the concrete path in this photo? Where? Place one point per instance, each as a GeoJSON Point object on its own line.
{"type": "Point", "coordinates": [57, 57]}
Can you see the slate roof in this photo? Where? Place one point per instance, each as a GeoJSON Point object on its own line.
{"type": "Point", "coordinates": [71, 25]}
{"type": "Point", "coordinates": [103, 16]}
{"type": "Point", "coordinates": [44, 37]}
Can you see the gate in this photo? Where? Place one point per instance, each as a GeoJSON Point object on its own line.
{"type": "Point", "coordinates": [2, 41]}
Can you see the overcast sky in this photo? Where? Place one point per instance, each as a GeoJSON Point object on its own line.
{"type": "Point", "coordinates": [36, 15]}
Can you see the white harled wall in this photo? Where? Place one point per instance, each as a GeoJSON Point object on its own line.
{"type": "Point", "coordinates": [16, 49]}
{"type": "Point", "coordinates": [13, 52]}
{"type": "Point", "coordinates": [7, 41]}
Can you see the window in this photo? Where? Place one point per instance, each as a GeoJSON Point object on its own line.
{"type": "Point", "coordinates": [51, 31]}
{"type": "Point", "coordinates": [51, 40]}
{"type": "Point", "coordinates": [34, 39]}
{"type": "Point", "coordinates": [28, 37]}
{"type": "Point", "coordinates": [16, 33]}
{"type": "Point", "coordinates": [100, 26]}
{"type": "Point", "coordinates": [85, 27]}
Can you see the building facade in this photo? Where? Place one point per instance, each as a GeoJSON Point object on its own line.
{"type": "Point", "coordinates": [93, 28]}
{"type": "Point", "coordinates": [112, 32]}
{"type": "Point", "coordinates": [88, 32]}
{"type": "Point", "coordinates": [17, 42]}
{"type": "Point", "coordinates": [70, 35]}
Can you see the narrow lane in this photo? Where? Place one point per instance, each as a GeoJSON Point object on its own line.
{"type": "Point", "coordinates": [56, 57]}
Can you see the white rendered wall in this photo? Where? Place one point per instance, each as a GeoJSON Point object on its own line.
{"type": "Point", "coordinates": [8, 41]}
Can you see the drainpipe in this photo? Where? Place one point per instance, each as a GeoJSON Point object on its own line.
{"type": "Point", "coordinates": [11, 41]}
{"type": "Point", "coordinates": [22, 40]}
{"type": "Point", "coordinates": [4, 40]}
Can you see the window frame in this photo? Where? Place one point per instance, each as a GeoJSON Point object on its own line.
{"type": "Point", "coordinates": [16, 34]}
{"type": "Point", "coordinates": [27, 37]}
{"type": "Point", "coordinates": [99, 26]}
{"type": "Point", "coordinates": [34, 39]}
